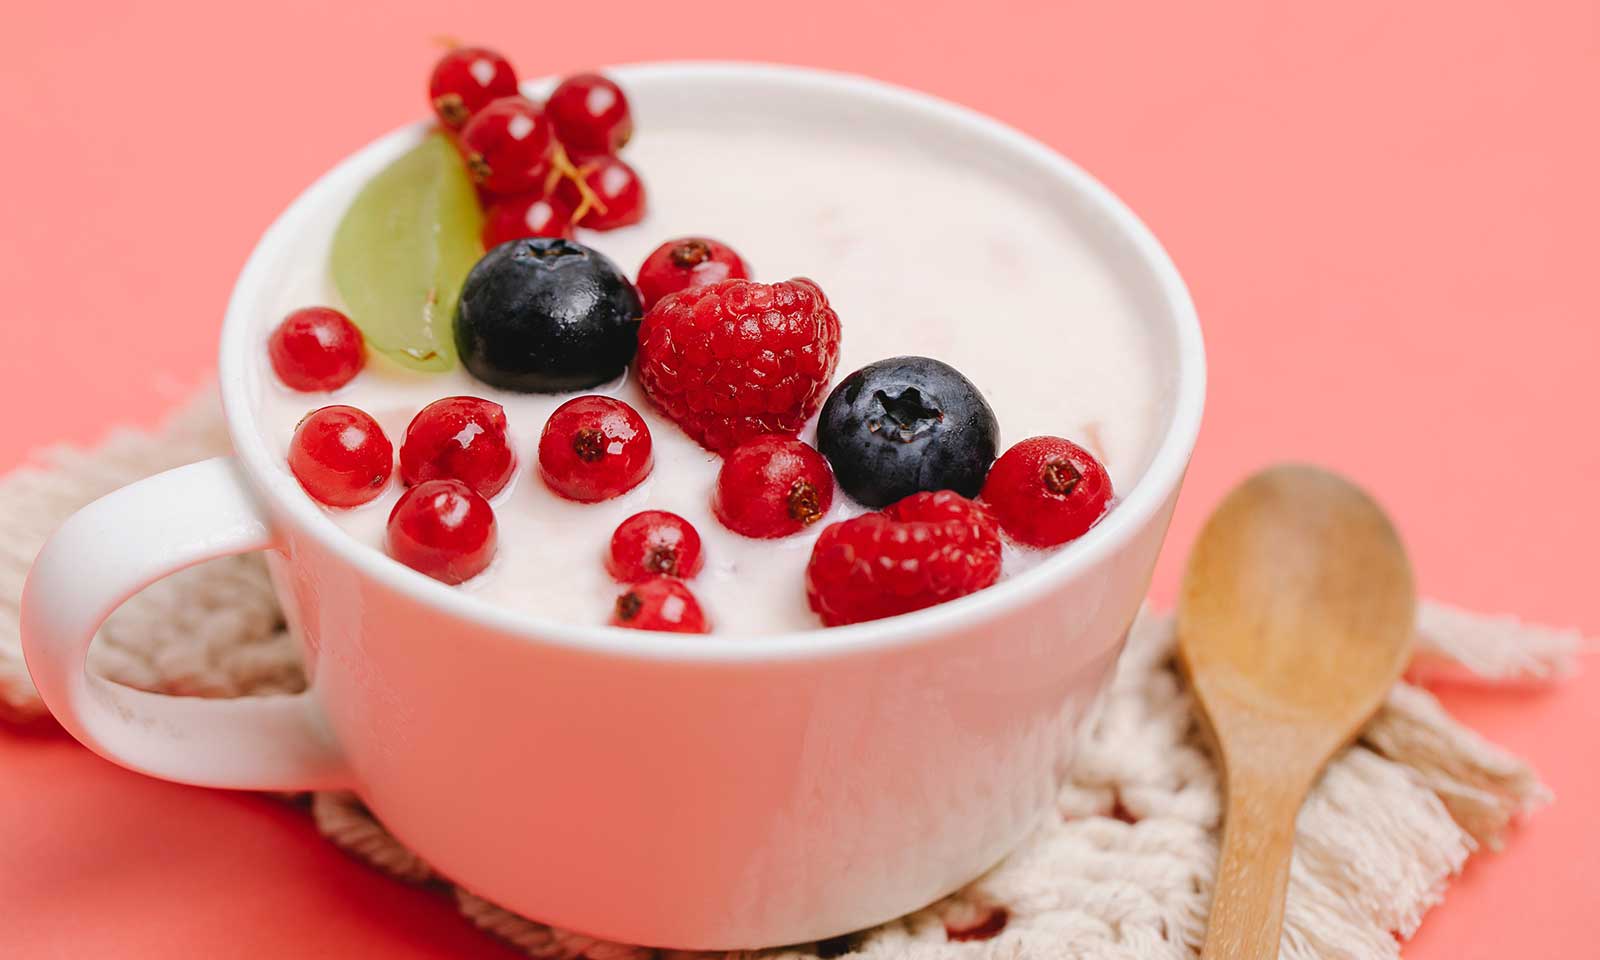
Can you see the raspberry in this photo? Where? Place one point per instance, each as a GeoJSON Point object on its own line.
{"type": "Point", "coordinates": [772, 487]}
{"type": "Point", "coordinates": [1046, 491]}
{"type": "Point", "coordinates": [659, 603]}
{"type": "Point", "coordinates": [737, 359]}
{"type": "Point", "coordinates": [920, 551]}
{"type": "Point", "coordinates": [651, 543]}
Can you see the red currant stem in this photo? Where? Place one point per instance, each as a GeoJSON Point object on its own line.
{"type": "Point", "coordinates": [561, 168]}
{"type": "Point", "coordinates": [447, 41]}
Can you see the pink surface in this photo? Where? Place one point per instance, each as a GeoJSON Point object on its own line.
{"type": "Point", "coordinates": [1386, 213]}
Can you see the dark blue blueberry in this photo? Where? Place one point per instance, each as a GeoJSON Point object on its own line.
{"type": "Point", "coordinates": [907, 424]}
{"type": "Point", "coordinates": [546, 316]}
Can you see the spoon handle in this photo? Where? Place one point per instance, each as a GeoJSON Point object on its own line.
{"type": "Point", "coordinates": [1253, 875]}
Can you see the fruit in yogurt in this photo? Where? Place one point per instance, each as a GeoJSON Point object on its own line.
{"type": "Point", "coordinates": [315, 349]}
{"type": "Point", "coordinates": [654, 543]}
{"type": "Point", "coordinates": [904, 425]}
{"type": "Point", "coordinates": [924, 550]}
{"type": "Point", "coordinates": [459, 438]}
{"type": "Point", "coordinates": [402, 250]}
{"type": "Point", "coordinates": [661, 603]}
{"type": "Point", "coordinates": [529, 215]}
{"type": "Point", "coordinates": [594, 448]}
{"type": "Point", "coordinates": [1046, 491]}
{"type": "Point", "coordinates": [591, 114]}
{"type": "Point", "coordinates": [546, 315]}
{"type": "Point", "coordinates": [611, 195]}
{"type": "Point", "coordinates": [467, 79]}
{"type": "Point", "coordinates": [686, 263]}
{"type": "Point", "coordinates": [741, 367]}
{"type": "Point", "coordinates": [509, 147]}
{"type": "Point", "coordinates": [444, 529]}
{"type": "Point", "coordinates": [771, 487]}
{"type": "Point", "coordinates": [738, 359]}
{"type": "Point", "coordinates": [340, 456]}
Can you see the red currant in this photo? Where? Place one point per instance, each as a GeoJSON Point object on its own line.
{"type": "Point", "coordinates": [340, 455]}
{"type": "Point", "coordinates": [443, 529]}
{"type": "Point", "coordinates": [685, 264]}
{"type": "Point", "coordinates": [467, 79]}
{"type": "Point", "coordinates": [590, 114]}
{"type": "Point", "coordinates": [508, 147]}
{"type": "Point", "coordinates": [316, 348]}
{"type": "Point", "coordinates": [976, 923]}
{"type": "Point", "coordinates": [617, 195]}
{"type": "Point", "coordinates": [772, 486]}
{"type": "Point", "coordinates": [459, 438]}
{"type": "Point", "coordinates": [654, 543]}
{"type": "Point", "coordinates": [660, 603]}
{"type": "Point", "coordinates": [1046, 491]}
{"type": "Point", "coordinates": [529, 215]}
{"type": "Point", "coordinates": [594, 448]}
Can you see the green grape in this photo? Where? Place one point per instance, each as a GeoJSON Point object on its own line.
{"type": "Point", "coordinates": [403, 250]}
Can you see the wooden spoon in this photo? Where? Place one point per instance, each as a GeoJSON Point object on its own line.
{"type": "Point", "coordinates": [1295, 621]}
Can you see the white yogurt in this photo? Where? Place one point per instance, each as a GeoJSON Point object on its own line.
{"type": "Point", "coordinates": [917, 255]}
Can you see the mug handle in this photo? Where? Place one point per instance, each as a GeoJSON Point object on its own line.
{"type": "Point", "coordinates": [107, 552]}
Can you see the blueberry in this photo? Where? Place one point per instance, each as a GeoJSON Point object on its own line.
{"type": "Point", "coordinates": [546, 316]}
{"type": "Point", "coordinates": [907, 424]}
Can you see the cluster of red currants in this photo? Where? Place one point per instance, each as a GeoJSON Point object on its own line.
{"type": "Point", "coordinates": [456, 456]}
{"type": "Point", "coordinates": [541, 169]}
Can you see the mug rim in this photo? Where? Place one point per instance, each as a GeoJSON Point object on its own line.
{"type": "Point", "coordinates": [1160, 479]}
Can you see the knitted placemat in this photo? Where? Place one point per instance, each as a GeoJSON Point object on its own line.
{"type": "Point", "coordinates": [1124, 868]}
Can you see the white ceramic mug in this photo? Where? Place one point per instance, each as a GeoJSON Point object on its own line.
{"type": "Point", "coordinates": [687, 792]}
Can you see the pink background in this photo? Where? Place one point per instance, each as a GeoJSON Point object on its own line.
{"type": "Point", "coordinates": [1386, 212]}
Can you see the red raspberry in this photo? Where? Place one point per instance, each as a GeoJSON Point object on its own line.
{"type": "Point", "coordinates": [508, 147]}
{"type": "Point", "coordinates": [771, 487]}
{"type": "Point", "coordinates": [340, 455]}
{"type": "Point", "coordinates": [459, 438]}
{"type": "Point", "coordinates": [529, 215]}
{"type": "Point", "coordinates": [660, 603]}
{"type": "Point", "coordinates": [737, 359]}
{"type": "Point", "coordinates": [920, 551]}
{"type": "Point", "coordinates": [686, 263]}
{"type": "Point", "coordinates": [316, 348]}
{"type": "Point", "coordinates": [443, 529]}
{"type": "Point", "coordinates": [616, 194]}
{"type": "Point", "coordinates": [465, 80]}
{"type": "Point", "coordinates": [1046, 491]}
{"type": "Point", "coordinates": [590, 114]}
{"type": "Point", "coordinates": [594, 448]}
{"type": "Point", "coordinates": [654, 543]}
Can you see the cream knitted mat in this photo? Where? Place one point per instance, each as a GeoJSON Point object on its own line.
{"type": "Point", "coordinates": [1122, 871]}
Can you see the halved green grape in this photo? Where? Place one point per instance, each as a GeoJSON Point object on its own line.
{"type": "Point", "coordinates": [403, 250]}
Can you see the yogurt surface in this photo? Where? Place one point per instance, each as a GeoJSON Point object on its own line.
{"type": "Point", "coordinates": [918, 255]}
